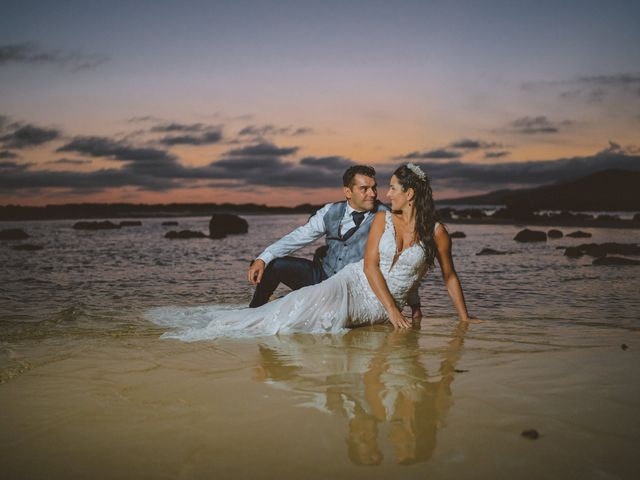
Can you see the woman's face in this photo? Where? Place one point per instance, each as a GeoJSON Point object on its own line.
{"type": "Point", "coordinates": [399, 198]}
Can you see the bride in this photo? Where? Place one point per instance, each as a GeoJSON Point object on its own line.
{"type": "Point", "coordinates": [402, 245]}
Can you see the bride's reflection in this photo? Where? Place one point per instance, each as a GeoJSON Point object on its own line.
{"type": "Point", "coordinates": [374, 378]}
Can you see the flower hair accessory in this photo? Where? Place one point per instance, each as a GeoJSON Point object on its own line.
{"type": "Point", "coordinates": [417, 170]}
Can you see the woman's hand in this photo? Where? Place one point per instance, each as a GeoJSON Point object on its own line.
{"type": "Point", "coordinates": [471, 320]}
{"type": "Point", "coordinates": [398, 320]}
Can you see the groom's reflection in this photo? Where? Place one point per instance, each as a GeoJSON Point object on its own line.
{"type": "Point", "coordinates": [373, 377]}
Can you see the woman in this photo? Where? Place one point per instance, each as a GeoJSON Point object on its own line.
{"type": "Point", "coordinates": [401, 247]}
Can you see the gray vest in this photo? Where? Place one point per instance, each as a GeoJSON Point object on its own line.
{"type": "Point", "coordinates": [339, 252]}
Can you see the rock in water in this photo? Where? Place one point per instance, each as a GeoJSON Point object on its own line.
{"type": "Point", "coordinates": [106, 225]}
{"type": "Point", "coordinates": [490, 251]}
{"type": "Point", "coordinates": [458, 235]}
{"type": "Point", "coordinates": [532, 434]}
{"type": "Point", "coordinates": [615, 261]}
{"type": "Point", "coordinates": [553, 233]}
{"type": "Point", "coordinates": [222, 224]}
{"type": "Point", "coordinates": [579, 234]}
{"type": "Point", "coordinates": [131, 223]}
{"type": "Point", "coordinates": [184, 234]}
{"type": "Point", "coordinates": [27, 247]}
{"type": "Point", "coordinates": [13, 234]}
{"type": "Point", "coordinates": [527, 235]}
{"type": "Point", "coordinates": [573, 252]}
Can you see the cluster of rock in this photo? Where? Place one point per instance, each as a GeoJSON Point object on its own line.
{"type": "Point", "coordinates": [527, 235]}
{"type": "Point", "coordinates": [106, 225]}
{"type": "Point", "coordinates": [602, 252]}
{"type": "Point", "coordinates": [19, 234]}
{"type": "Point", "coordinates": [220, 225]}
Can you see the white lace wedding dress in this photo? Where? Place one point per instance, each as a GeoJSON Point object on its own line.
{"type": "Point", "coordinates": [343, 301]}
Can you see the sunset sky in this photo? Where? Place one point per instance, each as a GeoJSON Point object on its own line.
{"type": "Point", "coordinates": [269, 101]}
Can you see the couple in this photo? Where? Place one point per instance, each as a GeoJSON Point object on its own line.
{"type": "Point", "coordinates": [375, 260]}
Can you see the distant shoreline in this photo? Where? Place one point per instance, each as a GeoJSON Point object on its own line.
{"type": "Point", "coordinates": [122, 211]}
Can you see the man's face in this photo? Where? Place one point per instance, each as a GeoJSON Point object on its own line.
{"type": "Point", "coordinates": [363, 193]}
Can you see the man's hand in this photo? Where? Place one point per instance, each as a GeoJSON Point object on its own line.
{"type": "Point", "coordinates": [256, 270]}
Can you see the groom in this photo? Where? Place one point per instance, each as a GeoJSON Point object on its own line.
{"type": "Point", "coordinates": [345, 226]}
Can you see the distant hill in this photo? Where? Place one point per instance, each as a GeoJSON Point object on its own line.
{"type": "Point", "coordinates": [601, 191]}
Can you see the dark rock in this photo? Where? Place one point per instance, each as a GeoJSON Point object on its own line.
{"type": "Point", "coordinates": [593, 249]}
{"type": "Point", "coordinates": [105, 225]}
{"type": "Point", "coordinates": [573, 252]}
{"type": "Point", "coordinates": [169, 224]}
{"type": "Point", "coordinates": [624, 346]}
{"type": "Point", "coordinates": [579, 234]}
{"type": "Point", "coordinates": [130, 223]}
{"type": "Point", "coordinates": [27, 247]}
{"type": "Point", "coordinates": [553, 233]}
{"type": "Point", "coordinates": [636, 217]}
{"type": "Point", "coordinates": [603, 249]}
{"type": "Point", "coordinates": [184, 234]}
{"type": "Point", "coordinates": [532, 434]}
{"type": "Point", "coordinates": [615, 261]}
{"type": "Point", "coordinates": [527, 235]}
{"type": "Point", "coordinates": [444, 213]}
{"type": "Point", "coordinates": [222, 224]}
{"type": "Point", "coordinates": [13, 234]}
{"type": "Point", "coordinates": [490, 251]}
{"type": "Point", "coordinates": [470, 213]}
{"type": "Point", "coordinates": [458, 235]}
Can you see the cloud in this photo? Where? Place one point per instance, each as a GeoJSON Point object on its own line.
{"type": "Point", "coordinates": [468, 144]}
{"type": "Point", "coordinates": [95, 146]}
{"type": "Point", "coordinates": [267, 130]}
{"type": "Point", "coordinates": [260, 150]}
{"type": "Point", "coordinates": [439, 153]}
{"type": "Point", "coordinates": [498, 154]}
{"type": "Point", "coordinates": [178, 127]}
{"type": "Point", "coordinates": [7, 154]}
{"type": "Point", "coordinates": [27, 135]}
{"type": "Point", "coordinates": [70, 161]}
{"type": "Point", "coordinates": [534, 125]}
{"type": "Point", "coordinates": [31, 53]}
{"type": "Point", "coordinates": [206, 138]}
{"type": "Point", "coordinates": [334, 162]}
{"type": "Point", "coordinates": [593, 88]}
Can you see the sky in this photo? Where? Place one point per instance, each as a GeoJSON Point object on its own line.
{"type": "Point", "coordinates": [269, 101]}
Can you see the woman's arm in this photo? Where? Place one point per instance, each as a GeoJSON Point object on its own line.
{"type": "Point", "coordinates": [449, 275]}
{"type": "Point", "coordinates": [374, 275]}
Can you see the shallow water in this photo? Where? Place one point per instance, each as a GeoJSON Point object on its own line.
{"type": "Point", "coordinates": [89, 389]}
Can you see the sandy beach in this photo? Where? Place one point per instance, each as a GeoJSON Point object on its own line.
{"type": "Point", "coordinates": [444, 401]}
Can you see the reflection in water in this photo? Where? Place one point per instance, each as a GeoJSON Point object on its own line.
{"type": "Point", "coordinates": [374, 378]}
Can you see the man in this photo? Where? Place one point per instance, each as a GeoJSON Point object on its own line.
{"type": "Point", "coordinates": [345, 226]}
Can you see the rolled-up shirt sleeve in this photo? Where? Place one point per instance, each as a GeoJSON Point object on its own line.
{"type": "Point", "coordinates": [300, 237]}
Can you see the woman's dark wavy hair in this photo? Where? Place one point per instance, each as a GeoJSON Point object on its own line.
{"type": "Point", "coordinates": [426, 216]}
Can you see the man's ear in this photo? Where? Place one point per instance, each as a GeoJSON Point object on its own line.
{"type": "Point", "coordinates": [347, 192]}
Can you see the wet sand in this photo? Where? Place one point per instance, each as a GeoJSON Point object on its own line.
{"type": "Point", "coordinates": [443, 401]}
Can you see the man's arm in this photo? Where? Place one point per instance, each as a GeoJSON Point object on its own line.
{"type": "Point", "coordinates": [300, 237]}
{"type": "Point", "coordinates": [413, 300]}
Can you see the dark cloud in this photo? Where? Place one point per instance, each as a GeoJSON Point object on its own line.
{"type": "Point", "coordinates": [206, 138]}
{"type": "Point", "coordinates": [592, 88]}
{"type": "Point", "coordinates": [468, 144]}
{"type": "Point", "coordinates": [70, 161]}
{"type": "Point", "coordinates": [260, 150]}
{"type": "Point", "coordinates": [178, 127]}
{"type": "Point", "coordinates": [143, 119]}
{"type": "Point", "coordinates": [31, 53]}
{"type": "Point", "coordinates": [7, 154]}
{"type": "Point", "coordinates": [267, 130]}
{"type": "Point", "coordinates": [105, 147]}
{"type": "Point", "coordinates": [332, 163]}
{"type": "Point", "coordinates": [439, 153]}
{"type": "Point", "coordinates": [535, 125]}
{"type": "Point", "coordinates": [27, 135]}
{"type": "Point", "coordinates": [499, 154]}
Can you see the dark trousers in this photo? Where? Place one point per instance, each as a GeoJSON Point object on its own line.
{"type": "Point", "coordinates": [294, 272]}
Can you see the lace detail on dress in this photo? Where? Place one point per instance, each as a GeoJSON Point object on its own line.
{"type": "Point", "coordinates": [345, 300]}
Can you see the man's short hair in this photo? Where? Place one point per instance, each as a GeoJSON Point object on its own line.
{"type": "Point", "coordinates": [353, 170]}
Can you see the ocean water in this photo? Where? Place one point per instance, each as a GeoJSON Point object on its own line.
{"type": "Point", "coordinates": [88, 388]}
